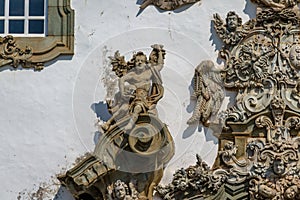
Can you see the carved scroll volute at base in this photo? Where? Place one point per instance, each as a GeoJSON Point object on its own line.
{"type": "Point", "coordinates": [135, 146]}
{"type": "Point", "coordinates": [167, 4]}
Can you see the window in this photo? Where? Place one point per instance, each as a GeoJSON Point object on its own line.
{"type": "Point", "coordinates": [46, 26]}
{"type": "Point", "coordinates": [23, 17]}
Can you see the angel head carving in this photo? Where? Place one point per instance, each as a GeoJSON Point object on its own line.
{"type": "Point", "coordinates": [233, 21]}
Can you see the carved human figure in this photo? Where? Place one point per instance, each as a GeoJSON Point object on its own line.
{"type": "Point", "coordinates": [230, 32]}
{"type": "Point", "coordinates": [208, 92]}
{"type": "Point", "coordinates": [266, 191]}
{"type": "Point", "coordinates": [279, 166]}
{"type": "Point", "coordinates": [121, 191]}
{"type": "Point", "coordinates": [140, 88]}
{"type": "Point", "coordinates": [291, 192]}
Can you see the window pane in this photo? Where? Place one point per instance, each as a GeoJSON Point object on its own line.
{"type": "Point", "coordinates": [16, 26]}
{"type": "Point", "coordinates": [16, 8]}
{"type": "Point", "coordinates": [36, 7]}
{"type": "Point", "coordinates": [1, 26]}
{"type": "Point", "coordinates": [1, 7]}
{"type": "Point", "coordinates": [36, 26]}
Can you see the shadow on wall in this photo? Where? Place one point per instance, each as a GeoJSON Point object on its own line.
{"type": "Point", "coordinates": [250, 9]}
{"type": "Point", "coordinates": [63, 194]}
{"type": "Point", "coordinates": [102, 113]}
{"type": "Point", "coordinates": [191, 129]}
{"type": "Point", "coordinates": [216, 41]}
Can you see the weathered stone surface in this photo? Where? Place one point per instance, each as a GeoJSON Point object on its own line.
{"type": "Point", "coordinates": [259, 144]}
{"type": "Point", "coordinates": [129, 158]}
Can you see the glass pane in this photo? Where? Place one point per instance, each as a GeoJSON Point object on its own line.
{"type": "Point", "coordinates": [1, 26]}
{"type": "Point", "coordinates": [1, 7]}
{"type": "Point", "coordinates": [16, 8]}
{"type": "Point", "coordinates": [36, 26]}
{"type": "Point", "coordinates": [36, 7]}
{"type": "Point", "coordinates": [16, 26]}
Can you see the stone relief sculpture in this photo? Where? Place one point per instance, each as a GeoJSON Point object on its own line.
{"type": "Point", "coordinates": [11, 54]}
{"type": "Point", "coordinates": [208, 92]}
{"type": "Point", "coordinates": [130, 156]}
{"type": "Point", "coordinates": [167, 4]}
{"type": "Point", "coordinates": [258, 156]}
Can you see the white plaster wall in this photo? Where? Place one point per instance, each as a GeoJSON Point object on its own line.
{"type": "Point", "coordinates": [47, 117]}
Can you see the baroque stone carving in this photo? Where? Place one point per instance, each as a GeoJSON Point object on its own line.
{"type": "Point", "coordinates": [208, 92]}
{"type": "Point", "coordinates": [130, 156]}
{"type": "Point", "coordinates": [167, 4]}
{"type": "Point", "coordinates": [11, 54]}
{"type": "Point", "coordinates": [258, 156]}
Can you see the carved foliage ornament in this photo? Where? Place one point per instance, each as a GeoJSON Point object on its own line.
{"type": "Point", "coordinates": [167, 4]}
{"type": "Point", "coordinates": [11, 54]}
{"type": "Point", "coordinates": [130, 156]}
{"type": "Point", "coordinates": [259, 144]}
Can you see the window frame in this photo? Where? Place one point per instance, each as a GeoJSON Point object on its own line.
{"type": "Point", "coordinates": [59, 39]}
{"type": "Point", "coordinates": [7, 17]}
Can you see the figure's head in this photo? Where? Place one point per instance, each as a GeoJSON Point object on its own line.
{"type": "Point", "coordinates": [279, 166]}
{"type": "Point", "coordinates": [266, 191]}
{"type": "Point", "coordinates": [233, 21]}
{"type": "Point", "coordinates": [140, 61]}
{"type": "Point", "coordinates": [291, 192]}
{"type": "Point", "coordinates": [120, 190]}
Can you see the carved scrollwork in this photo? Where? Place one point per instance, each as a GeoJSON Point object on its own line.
{"type": "Point", "coordinates": [259, 145]}
{"type": "Point", "coordinates": [11, 54]}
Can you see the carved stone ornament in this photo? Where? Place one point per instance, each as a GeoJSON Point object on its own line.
{"type": "Point", "coordinates": [130, 156]}
{"type": "Point", "coordinates": [11, 54]}
{"type": "Point", "coordinates": [167, 4]}
{"type": "Point", "coordinates": [259, 144]}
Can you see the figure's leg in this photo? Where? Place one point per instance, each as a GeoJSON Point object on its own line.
{"type": "Point", "coordinates": [134, 116]}
{"type": "Point", "coordinates": [121, 112]}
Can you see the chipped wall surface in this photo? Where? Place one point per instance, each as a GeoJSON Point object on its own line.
{"type": "Point", "coordinates": [48, 118]}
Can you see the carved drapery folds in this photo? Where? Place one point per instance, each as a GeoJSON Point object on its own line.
{"type": "Point", "coordinates": [259, 144]}
{"type": "Point", "coordinates": [167, 4]}
{"type": "Point", "coordinates": [130, 156]}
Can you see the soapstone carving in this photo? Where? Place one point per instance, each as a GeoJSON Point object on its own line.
{"type": "Point", "coordinates": [135, 146]}
{"type": "Point", "coordinates": [121, 191]}
{"type": "Point", "coordinates": [232, 30]}
{"type": "Point", "coordinates": [167, 4]}
{"type": "Point", "coordinates": [11, 54]}
{"type": "Point", "coordinates": [277, 5]}
{"type": "Point", "coordinates": [258, 156]}
{"type": "Point", "coordinates": [208, 92]}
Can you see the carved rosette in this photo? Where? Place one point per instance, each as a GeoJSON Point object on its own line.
{"type": "Point", "coordinates": [259, 144]}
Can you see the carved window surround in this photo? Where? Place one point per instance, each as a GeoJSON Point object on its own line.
{"type": "Point", "coordinates": [33, 52]}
